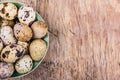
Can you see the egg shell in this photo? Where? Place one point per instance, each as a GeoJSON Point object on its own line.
{"type": "Point", "coordinates": [24, 65]}
{"type": "Point", "coordinates": [26, 14]}
{"type": "Point", "coordinates": [8, 11]}
{"type": "Point", "coordinates": [37, 49]}
{"type": "Point", "coordinates": [7, 35]}
{"type": "Point", "coordinates": [24, 45]}
{"type": "Point", "coordinates": [22, 32]}
{"type": "Point", "coordinates": [4, 22]}
{"type": "Point", "coordinates": [39, 29]}
{"type": "Point", "coordinates": [12, 52]}
{"type": "Point", "coordinates": [6, 70]}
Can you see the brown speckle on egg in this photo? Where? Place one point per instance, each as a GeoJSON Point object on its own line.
{"type": "Point", "coordinates": [19, 53]}
{"type": "Point", "coordinates": [3, 10]}
{"type": "Point", "coordinates": [7, 14]}
{"type": "Point", "coordinates": [12, 46]}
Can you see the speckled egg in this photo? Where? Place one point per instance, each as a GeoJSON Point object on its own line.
{"type": "Point", "coordinates": [22, 32]}
{"type": "Point", "coordinates": [26, 14]}
{"type": "Point", "coordinates": [6, 34]}
{"type": "Point", "coordinates": [24, 45]}
{"type": "Point", "coordinates": [12, 52]}
{"type": "Point", "coordinates": [39, 29]}
{"type": "Point", "coordinates": [4, 22]}
{"type": "Point", "coordinates": [6, 70]}
{"type": "Point", "coordinates": [24, 65]}
{"type": "Point", "coordinates": [37, 49]}
{"type": "Point", "coordinates": [8, 11]}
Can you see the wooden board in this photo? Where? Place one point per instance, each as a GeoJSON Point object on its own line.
{"type": "Point", "coordinates": [84, 40]}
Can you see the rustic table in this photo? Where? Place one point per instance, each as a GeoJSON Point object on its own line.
{"type": "Point", "coordinates": [84, 40]}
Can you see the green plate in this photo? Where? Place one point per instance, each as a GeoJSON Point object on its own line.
{"type": "Point", "coordinates": [46, 39]}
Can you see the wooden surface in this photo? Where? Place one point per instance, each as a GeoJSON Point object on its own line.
{"type": "Point", "coordinates": [84, 40]}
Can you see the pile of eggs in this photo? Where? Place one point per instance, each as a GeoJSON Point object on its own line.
{"type": "Point", "coordinates": [20, 39]}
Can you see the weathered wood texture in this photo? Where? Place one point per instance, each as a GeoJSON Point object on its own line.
{"type": "Point", "coordinates": [84, 40]}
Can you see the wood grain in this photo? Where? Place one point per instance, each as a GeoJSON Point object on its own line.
{"type": "Point", "coordinates": [84, 40]}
